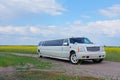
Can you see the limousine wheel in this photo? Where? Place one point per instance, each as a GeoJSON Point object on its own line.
{"type": "Point", "coordinates": [97, 60]}
{"type": "Point", "coordinates": [40, 56]}
{"type": "Point", "coordinates": [73, 58]}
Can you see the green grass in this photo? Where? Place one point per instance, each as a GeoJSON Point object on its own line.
{"type": "Point", "coordinates": [19, 49]}
{"type": "Point", "coordinates": [41, 75]}
{"type": "Point", "coordinates": [7, 59]}
{"type": "Point", "coordinates": [112, 54]}
{"type": "Point", "coordinates": [36, 75]}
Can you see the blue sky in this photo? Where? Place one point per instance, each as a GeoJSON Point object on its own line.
{"type": "Point", "coordinates": [26, 22]}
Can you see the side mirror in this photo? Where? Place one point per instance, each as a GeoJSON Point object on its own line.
{"type": "Point", "coordinates": [65, 44]}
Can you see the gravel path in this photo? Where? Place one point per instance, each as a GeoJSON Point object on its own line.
{"type": "Point", "coordinates": [106, 69]}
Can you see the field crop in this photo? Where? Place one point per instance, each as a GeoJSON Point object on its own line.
{"type": "Point", "coordinates": [19, 49]}
{"type": "Point", "coordinates": [112, 54]}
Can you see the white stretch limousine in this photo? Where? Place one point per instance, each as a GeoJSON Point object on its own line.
{"type": "Point", "coordinates": [73, 49]}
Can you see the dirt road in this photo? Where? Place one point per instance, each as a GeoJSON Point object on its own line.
{"type": "Point", "coordinates": [106, 69]}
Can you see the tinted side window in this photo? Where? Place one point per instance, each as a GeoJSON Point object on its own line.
{"type": "Point", "coordinates": [48, 43]}
{"type": "Point", "coordinates": [43, 43]}
{"type": "Point", "coordinates": [53, 43]}
{"type": "Point", "coordinates": [58, 42]}
{"type": "Point", "coordinates": [40, 44]}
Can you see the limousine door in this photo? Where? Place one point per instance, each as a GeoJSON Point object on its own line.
{"type": "Point", "coordinates": [65, 49]}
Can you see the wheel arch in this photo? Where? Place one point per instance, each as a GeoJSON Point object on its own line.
{"type": "Point", "coordinates": [72, 52]}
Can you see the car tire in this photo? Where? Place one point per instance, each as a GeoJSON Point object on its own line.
{"type": "Point", "coordinates": [73, 58]}
{"type": "Point", "coordinates": [39, 54]}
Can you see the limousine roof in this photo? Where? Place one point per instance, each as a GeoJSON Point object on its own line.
{"type": "Point", "coordinates": [62, 38]}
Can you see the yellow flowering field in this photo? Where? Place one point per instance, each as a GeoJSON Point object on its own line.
{"type": "Point", "coordinates": [19, 49]}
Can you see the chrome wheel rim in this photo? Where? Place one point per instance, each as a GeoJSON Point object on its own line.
{"type": "Point", "coordinates": [74, 58]}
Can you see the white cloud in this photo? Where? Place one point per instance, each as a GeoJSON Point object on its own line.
{"type": "Point", "coordinates": [109, 28]}
{"type": "Point", "coordinates": [43, 30]}
{"type": "Point", "coordinates": [34, 30]}
{"type": "Point", "coordinates": [29, 34]}
{"type": "Point", "coordinates": [112, 11]}
{"type": "Point", "coordinates": [85, 16]}
{"type": "Point", "coordinates": [77, 22]}
{"type": "Point", "coordinates": [11, 8]}
{"type": "Point", "coordinates": [13, 30]}
{"type": "Point", "coordinates": [31, 30]}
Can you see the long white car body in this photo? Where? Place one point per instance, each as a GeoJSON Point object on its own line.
{"type": "Point", "coordinates": [73, 49]}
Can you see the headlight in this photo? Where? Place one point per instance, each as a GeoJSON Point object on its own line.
{"type": "Point", "coordinates": [81, 49]}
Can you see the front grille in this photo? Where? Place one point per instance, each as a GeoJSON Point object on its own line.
{"type": "Point", "coordinates": [93, 48]}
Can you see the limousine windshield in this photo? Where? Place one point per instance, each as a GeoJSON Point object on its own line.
{"type": "Point", "coordinates": [80, 40]}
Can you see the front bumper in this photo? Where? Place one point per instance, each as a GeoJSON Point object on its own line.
{"type": "Point", "coordinates": [90, 55]}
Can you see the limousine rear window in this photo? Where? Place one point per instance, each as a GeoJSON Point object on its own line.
{"type": "Point", "coordinates": [80, 40]}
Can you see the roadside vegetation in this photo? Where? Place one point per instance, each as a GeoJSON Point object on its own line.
{"type": "Point", "coordinates": [35, 75]}
{"type": "Point", "coordinates": [112, 54]}
{"type": "Point", "coordinates": [7, 59]}
{"type": "Point", "coordinates": [43, 75]}
{"type": "Point", "coordinates": [19, 49]}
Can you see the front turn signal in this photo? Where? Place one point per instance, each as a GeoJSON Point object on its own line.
{"type": "Point", "coordinates": [78, 49]}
